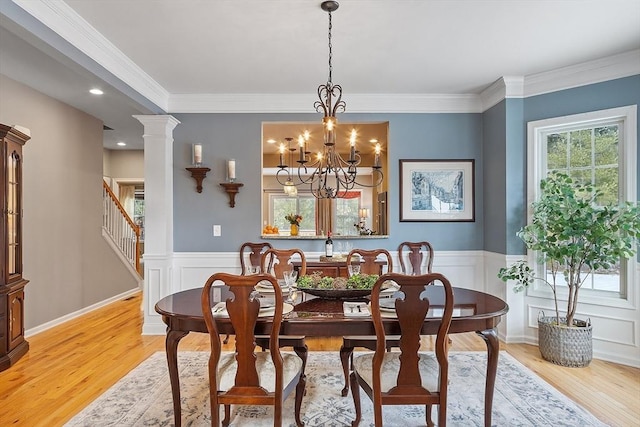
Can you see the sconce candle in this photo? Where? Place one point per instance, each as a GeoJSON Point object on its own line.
{"type": "Point", "coordinates": [231, 170]}
{"type": "Point", "coordinates": [197, 154]}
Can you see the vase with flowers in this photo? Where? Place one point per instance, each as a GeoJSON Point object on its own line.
{"type": "Point", "coordinates": [294, 220]}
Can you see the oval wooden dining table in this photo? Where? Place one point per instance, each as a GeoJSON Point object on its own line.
{"type": "Point", "coordinates": [474, 311]}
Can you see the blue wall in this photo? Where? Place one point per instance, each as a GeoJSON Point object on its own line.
{"type": "Point", "coordinates": [224, 136]}
{"type": "Point", "coordinates": [496, 139]}
{"type": "Point", "coordinates": [494, 155]}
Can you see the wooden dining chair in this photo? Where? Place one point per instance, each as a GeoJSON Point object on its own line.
{"type": "Point", "coordinates": [408, 376]}
{"type": "Point", "coordinates": [245, 377]}
{"type": "Point", "coordinates": [415, 257]}
{"type": "Point", "coordinates": [368, 265]}
{"type": "Point", "coordinates": [252, 252]}
{"type": "Point", "coordinates": [275, 262]}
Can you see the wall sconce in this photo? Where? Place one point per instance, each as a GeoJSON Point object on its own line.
{"type": "Point", "coordinates": [197, 171]}
{"type": "Point", "coordinates": [198, 174]}
{"type": "Point", "coordinates": [231, 186]}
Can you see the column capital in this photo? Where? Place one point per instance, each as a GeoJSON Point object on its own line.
{"type": "Point", "coordinates": [157, 125]}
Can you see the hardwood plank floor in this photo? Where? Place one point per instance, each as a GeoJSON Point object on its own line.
{"type": "Point", "coordinates": [69, 366]}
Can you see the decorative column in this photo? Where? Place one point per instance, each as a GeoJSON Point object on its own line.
{"type": "Point", "coordinates": [158, 200]}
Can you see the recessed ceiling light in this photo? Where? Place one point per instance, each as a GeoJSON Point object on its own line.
{"type": "Point", "coordinates": [96, 91]}
{"type": "Point", "coordinates": [373, 140]}
{"type": "Point", "coordinates": [271, 141]}
{"type": "Point", "coordinates": [122, 144]}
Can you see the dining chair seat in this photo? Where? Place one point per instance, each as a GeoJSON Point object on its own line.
{"type": "Point", "coordinates": [368, 265]}
{"type": "Point", "coordinates": [297, 342]}
{"type": "Point", "coordinates": [427, 364]}
{"type": "Point", "coordinates": [228, 366]}
{"type": "Point", "coordinates": [350, 342]}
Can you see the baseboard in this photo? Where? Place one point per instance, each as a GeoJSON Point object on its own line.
{"type": "Point", "coordinates": [70, 316]}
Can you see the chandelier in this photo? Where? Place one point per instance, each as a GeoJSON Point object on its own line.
{"type": "Point", "coordinates": [329, 175]}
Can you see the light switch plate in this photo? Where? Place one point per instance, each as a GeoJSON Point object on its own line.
{"type": "Point", "coordinates": [217, 230]}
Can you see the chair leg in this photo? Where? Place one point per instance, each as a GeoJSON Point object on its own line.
{"type": "Point", "coordinates": [442, 413]}
{"type": "Point", "coordinates": [302, 354]}
{"type": "Point", "coordinates": [226, 339]}
{"type": "Point", "coordinates": [346, 354]}
{"type": "Point", "coordinates": [215, 409]}
{"type": "Point", "coordinates": [355, 392]}
{"type": "Point", "coordinates": [300, 391]}
{"type": "Point", "coordinates": [429, 418]}
{"type": "Point", "coordinates": [227, 415]}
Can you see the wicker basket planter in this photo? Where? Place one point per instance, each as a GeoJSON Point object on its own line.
{"type": "Point", "coordinates": [563, 345]}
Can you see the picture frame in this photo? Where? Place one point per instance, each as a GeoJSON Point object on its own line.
{"type": "Point", "coordinates": [437, 190]}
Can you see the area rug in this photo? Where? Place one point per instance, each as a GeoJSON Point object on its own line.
{"type": "Point", "coordinates": [143, 397]}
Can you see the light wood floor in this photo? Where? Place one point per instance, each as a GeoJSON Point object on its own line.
{"type": "Point", "coordinates": [67, 367]}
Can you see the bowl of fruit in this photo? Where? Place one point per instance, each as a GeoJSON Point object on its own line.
{"type": "Point", "coordinates": [270, 229]}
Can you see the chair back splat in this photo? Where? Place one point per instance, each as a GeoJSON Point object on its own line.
{"type": "Point", "coordinates": [245, 377]}
{"type": "Point", "coordinates": [415, 257]}
{"type": "Point", "coordinates": [368, 258]}
{"type": "Point", "coordinates": [277, 261]}
{"type": "Point", "coordinates": [251, 255]}
{"type": "Point", "coordinates": [410, 377]}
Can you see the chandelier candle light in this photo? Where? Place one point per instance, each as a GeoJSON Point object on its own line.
{"type": "Point", "coordinates": [329, 175]}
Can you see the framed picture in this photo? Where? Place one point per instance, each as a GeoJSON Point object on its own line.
{"type": "Point", "coordinates": [437, 190]}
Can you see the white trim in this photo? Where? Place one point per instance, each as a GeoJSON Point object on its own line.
{"type": "Point", "coordinates": [475, 270]}
{"type": "Point", "coordinates": [60, 320]}
{"type": "Point", "coordinates": [613, 67]}
{"type": "Point", "coordinates": [301, 103]}
{"type": "Point", "coordinates": [66, 22]}
{"type": "Point", "coordinates": [628, 171]}
{"type": "Point", "coordinates": [63, 20]}
{"type": "Point", "coordinates": [504, 87]}
{"type": "Point", "coordinates": [125, 261]}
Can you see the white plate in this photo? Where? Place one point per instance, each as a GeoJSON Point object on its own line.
{"type": "Point", "coordinates": [219, 310]}
{"type": "Point", "coordinates": [268, 311]}
{"type": "Point", "coordinates": [388, 304]}
{"type": "Point", "coordinates": [391, 289]}
{"type": "Point", "coordinates": [268, 287]}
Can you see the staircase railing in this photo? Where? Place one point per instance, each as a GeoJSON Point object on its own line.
{"type": "Point", "coordinates": [117, 223]}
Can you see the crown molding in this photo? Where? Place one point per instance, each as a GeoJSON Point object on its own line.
{"type": "Point", "coordinates": [64, 21]}
{"type": "Point", "coordinates": [303, 103]}
{"type": "Point", "coordinates": [610, 68]}
{"type": "Point", "coordinates": [504, 87]}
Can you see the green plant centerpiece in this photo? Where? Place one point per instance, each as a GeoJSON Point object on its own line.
{"type": "Point", "coordinates": [356, 286]}
{"type": "Point", "coordinates": [573, 236]}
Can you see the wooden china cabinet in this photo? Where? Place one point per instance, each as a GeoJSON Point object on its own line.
{"type": "Point", "coordinates": [12, 342]}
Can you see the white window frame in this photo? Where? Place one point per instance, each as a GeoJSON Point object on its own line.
{"type": "Point", "coordinates": [536, 161]}
{"type": "Point", "coordinates": [283, 195]}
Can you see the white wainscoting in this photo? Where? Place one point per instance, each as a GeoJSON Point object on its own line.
{"type": "Point", "coordinates": [616, 336]}
{"type": "Point", "coordinates": [616, 333]}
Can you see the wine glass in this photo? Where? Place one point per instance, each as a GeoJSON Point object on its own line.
{"type": "Point", "coordinates": [290, 282]}
{"type": "Point", "coordinates": [353, 269]}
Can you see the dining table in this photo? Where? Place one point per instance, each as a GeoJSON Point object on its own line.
{"type": "Point", "coordinates": [474, 311]}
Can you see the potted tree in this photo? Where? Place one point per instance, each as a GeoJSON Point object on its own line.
{"type": "Point", "coordinates": [573, 236]}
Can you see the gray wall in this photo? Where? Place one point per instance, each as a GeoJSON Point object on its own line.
{"type": "Point", "coordinates": [66, 260]}
{"type": "Point", "coordinates": [224, 136]}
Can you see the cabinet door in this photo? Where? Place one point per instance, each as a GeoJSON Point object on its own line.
{"type": "Point", "coordinates": [16, 318]}
{"type": "Point", "coordinates": [14, 212]}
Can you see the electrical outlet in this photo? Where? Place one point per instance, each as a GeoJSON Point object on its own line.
{"type": "Point", "coordinates": [217, 230]}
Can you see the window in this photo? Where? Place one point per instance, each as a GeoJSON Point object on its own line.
{"type": "Point", "coordinates": [346, 214]}
{"type": "Point", "coordinates": [597, 148]}
{"type": "Point", "coordinates": [281, 205]}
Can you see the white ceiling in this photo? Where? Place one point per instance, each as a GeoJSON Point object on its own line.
{"type": "Point", "coordinates": [190, 50]}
